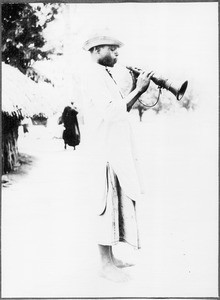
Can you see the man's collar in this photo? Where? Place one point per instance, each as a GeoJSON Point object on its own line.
{"type": "Point", "coordinates": [99, 66]}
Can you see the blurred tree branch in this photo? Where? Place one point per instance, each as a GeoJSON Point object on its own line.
{"type": "Point", "coordinates": [22, 33]}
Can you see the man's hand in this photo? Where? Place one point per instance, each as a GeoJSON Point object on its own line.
{"type": "Point", "coordinates": [142, 85]}
{"type": "Point", "coordinates": [143, 81]}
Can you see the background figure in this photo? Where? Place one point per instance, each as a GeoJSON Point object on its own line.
{"type": "Point", "coordinates": [140, 112]}
{"type": "Point", "coordinates": [25, 123]}
{"type": "Point", "coordinates": [71, 133]}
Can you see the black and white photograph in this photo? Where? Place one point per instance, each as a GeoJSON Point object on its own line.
{"type": "Point", "coordinates": [109, 184]}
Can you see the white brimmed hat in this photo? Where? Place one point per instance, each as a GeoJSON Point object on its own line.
{"type": "Point", "coordinates": [97, 40]}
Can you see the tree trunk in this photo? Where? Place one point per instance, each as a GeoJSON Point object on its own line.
{"type": "Point", "coordinates": [9, 142]}
{"type": "Point", "coordinates": [10, 151]}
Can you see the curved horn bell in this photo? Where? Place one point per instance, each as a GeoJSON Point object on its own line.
{"type": "Point", "coordinates": [177, 91]}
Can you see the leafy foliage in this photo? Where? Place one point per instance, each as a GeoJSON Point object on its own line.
{"type": "Point", "coordinates": [22, 33]}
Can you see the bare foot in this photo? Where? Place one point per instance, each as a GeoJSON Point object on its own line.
{"type": "Point", "coordinates": [111, 272]}
{"type": "Point", "coordinates": [121, 264]}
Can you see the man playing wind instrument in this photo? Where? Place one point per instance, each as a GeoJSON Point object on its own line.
{"type": "Point", "coordinates": [109, 138]}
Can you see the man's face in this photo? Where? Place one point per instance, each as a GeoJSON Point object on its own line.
{"type": "Point", "coordinates": [107, 55]}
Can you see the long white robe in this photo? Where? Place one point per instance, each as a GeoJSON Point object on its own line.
{"type": "Point", "coordinates": [108, 135]}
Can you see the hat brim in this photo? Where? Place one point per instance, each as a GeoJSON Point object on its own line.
{"type": "Point", "coordinates": [101, 40]}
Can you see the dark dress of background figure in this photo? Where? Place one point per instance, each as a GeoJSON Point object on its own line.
{"type": "Point", "coordinates": [71, 133]}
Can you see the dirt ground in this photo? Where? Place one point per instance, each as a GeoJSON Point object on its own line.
{"type": "Point", "coordinates": [48, 242]}
{"type": "Point", "coordinates": [22, 168]}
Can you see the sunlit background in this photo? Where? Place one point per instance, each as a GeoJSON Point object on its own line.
{"type": "Point", "coordinates": [47, 239]}
{"type": "Point", "coordinates": [179, 40]}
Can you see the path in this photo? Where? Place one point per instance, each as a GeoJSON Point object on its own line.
{"type": "Point", "coordinates": [48, 247]}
